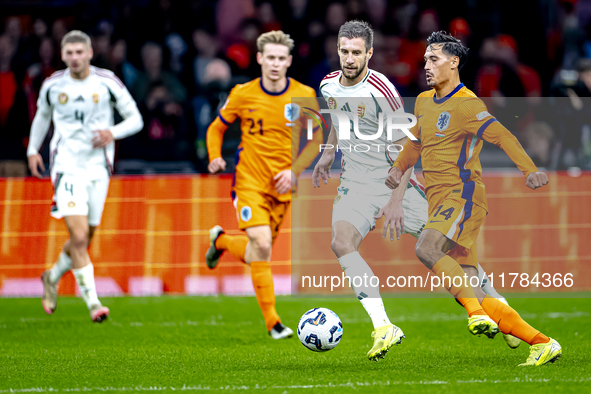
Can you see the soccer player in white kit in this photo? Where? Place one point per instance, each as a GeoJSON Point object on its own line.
{"type": "Point", "coordinates": [362, 195]}
{"type": "Point", "coordinates": [80, 100]}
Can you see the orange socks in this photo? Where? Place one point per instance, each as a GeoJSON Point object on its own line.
{"type": "Point", "coordinates": [510, 322]}
{"type": "Point", "coordinates": [262, 281]}
{"type": "Point", "coordinates": [235, 244]}
{"type": "Point", "coordinates": [447, 268]}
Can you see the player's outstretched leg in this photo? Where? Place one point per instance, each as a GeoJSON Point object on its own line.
{"type": "Point", "coordinates": [259, 254]}
{"type": "Point", "coordinates": [429, 250]}
{"type": "Point", "coordinates": [50, 279]}
{"type": "Point", "coordinates": [385, 335]}
{"type": "Point", "coordinates": [543, 349]}
{"type": "Point", "coordinates": [219, 242]}
{"type": "Point", "coordinates": [487, 288]}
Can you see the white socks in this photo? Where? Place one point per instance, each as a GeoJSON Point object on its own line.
{"type": "Point", "coordinates": [487, 286]}
{"type": "Point", "coordinates": [85, 279]}
{"type": "Point", "coordinates": [360, 273]}
{"type": "Point", "coordinates": [60, 267]}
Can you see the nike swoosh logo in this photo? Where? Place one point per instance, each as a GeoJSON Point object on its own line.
{"type": "Point", "coordinates": [420, 116]}
{"type": "Point", "coordinates": [251, 110]}
{"type": "Point", "coordinates": [436, 221]}
{"type": "Point", "coordinates": [385, 335]}
{"type": "Point", "coordinates": [537, 358]}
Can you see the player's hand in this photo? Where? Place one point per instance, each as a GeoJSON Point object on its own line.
{"type": "Point", "coordinates": [536, 179]}
{"type": "Point", "coordinates": [217, 165]}
{"type": "Point", "coordinates": [36, 163]}
{"type": "Point", "coordinates": [283, 181]}
{"type": "Point", "coordinates": [394, 177]}
{"type": "Point", "coordinates": [393, 218]}
{"type": "Point", "coordinates": [322, 169]}
{"type": "Point", "coordinates": [102, 138]}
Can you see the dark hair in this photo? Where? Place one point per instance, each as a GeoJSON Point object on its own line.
{"type": "Point", "coordinates": [357, 29]}
{"type": "Point", "coordinates": [451, 45]}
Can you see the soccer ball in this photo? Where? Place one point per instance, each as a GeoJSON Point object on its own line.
{"type": "Point", "coordinates": [320, 329]}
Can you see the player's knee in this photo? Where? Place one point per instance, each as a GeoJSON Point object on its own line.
{"type": "Point", "coordinates": [79, 239]}
{"type": "Point", "coordinates": [262, 247]}
{"type": "Point", "coordinates": [341, 247]}
{"type": "Point", "coordinates": [423, 253]}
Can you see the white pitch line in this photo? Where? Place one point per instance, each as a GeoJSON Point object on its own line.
{"type": "Point", "coordinates": [311, 386]}
{"type": "Point", "coordinates": [415, 318]}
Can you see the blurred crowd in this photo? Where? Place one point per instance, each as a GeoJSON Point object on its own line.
{"type": "Point", "coordinates": [179, 59]}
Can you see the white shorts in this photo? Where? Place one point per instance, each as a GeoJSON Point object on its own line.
{"type": "Point", "coordinates": [79, 196]}
{"type": "Point", "coordinates": [362, 193]}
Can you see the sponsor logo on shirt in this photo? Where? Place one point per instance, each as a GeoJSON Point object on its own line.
{"type": "Point", "coordinates": [482, 115]}
{"type": "Point", "coordinates": [62, 98]}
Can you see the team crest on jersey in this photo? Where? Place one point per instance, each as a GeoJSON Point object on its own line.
{"type": "Point", "coordinates": [246, 214]}
{"type": "Point", "coordinates": [332, 103]}
{"type": "Point", "coordinates": [62, 98]}
{"type": "Point", "coordinates": [443, 121]}
{"type": "Point", "coordinates": [95, 98]}
{"type": "Point", "coordinates": [361, 110]}
{"type": "Point", "coordinates": [71, 204]}
{"type": "Point", "coordinates": [291, 112]}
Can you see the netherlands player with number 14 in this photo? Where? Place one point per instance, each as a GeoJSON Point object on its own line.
{"type": "Point", "coordinates": [80, 100]}
{"type": "Point", "coordinates": [452, 122]}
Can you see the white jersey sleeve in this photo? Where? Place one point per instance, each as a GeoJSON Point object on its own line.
{"type": "Point", "coordinates": [126, 106]}
{"type": "Point", "coordinates": [387, 97]}
{"type": "Point", "coordinates": [42, 120]}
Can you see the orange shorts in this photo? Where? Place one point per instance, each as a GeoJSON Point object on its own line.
{"type": "Point", "coordinates": [254, 208]}
{"type": "Point", "coordinates": [457, 219]}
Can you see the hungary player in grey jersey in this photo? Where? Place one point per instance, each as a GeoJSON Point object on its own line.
{"type": "Point", "coordinates": [80, 100]}
{"type": "Point", "coordinates": [363, 197]}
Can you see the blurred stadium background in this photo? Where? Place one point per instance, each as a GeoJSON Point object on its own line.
{"type": "Point", "coordinates": [179, 59]}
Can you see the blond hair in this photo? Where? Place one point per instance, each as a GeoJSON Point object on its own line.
{"type": "Point", "coordinates": [76, 36]}
{"type": "Point", "coordinates": [274, 37]}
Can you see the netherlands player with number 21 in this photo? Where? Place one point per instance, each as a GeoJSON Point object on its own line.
{"type": "Point", "coordinates": [80, 100]}
{"type": "Point", "coordinates": [268, 162]}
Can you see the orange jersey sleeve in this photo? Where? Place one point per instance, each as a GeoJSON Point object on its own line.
{"type": "Point", "coordinates": [301, 160]}
{"type": "Point", "coordinates": [483, 125]}
{"type": "Point", "coordinates": [412, 149]}
{"type": "Point", "coordinates": [217, 128]}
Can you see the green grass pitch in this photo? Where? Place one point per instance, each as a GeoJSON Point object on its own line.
{"type": "Point", "coordinates": [219, 344]}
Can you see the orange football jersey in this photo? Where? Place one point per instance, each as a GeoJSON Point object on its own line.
{"type": "Point", "coordinates": [450, 132]}
{"type": "Point", "coordinates": [271, 128]}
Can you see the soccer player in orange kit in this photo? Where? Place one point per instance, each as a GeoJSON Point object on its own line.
{"type": "Point", "coordinates": [451, 124]}
{"type": "Point", "coordinates": [265, 175]}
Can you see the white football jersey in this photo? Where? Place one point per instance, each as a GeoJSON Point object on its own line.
{"type": "Point", "coordinates": [79, 107]}
{"type": "Point", "coordinates": [365, 100]}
